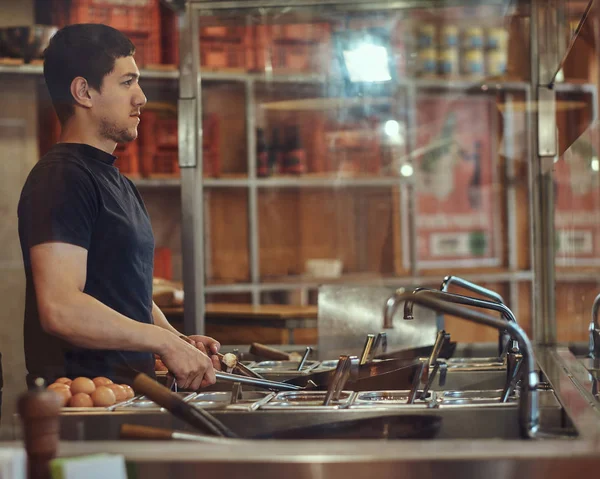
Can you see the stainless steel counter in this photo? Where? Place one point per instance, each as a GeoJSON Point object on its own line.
{"type": "Point", "coordinates": [451, 457]}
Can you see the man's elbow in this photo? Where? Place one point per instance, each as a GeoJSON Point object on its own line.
{"type": "Point", "coordinates": [54, 318]}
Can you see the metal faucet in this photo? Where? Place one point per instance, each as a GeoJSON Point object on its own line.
{"type": "Point", "coordinates": [595, 330]}
{"type": "Point", "coordinates": [503, 340]}
{"type": "Point", "coordinates": [529, 414]}
{"type": "Point", "coordinates": [507, 314]}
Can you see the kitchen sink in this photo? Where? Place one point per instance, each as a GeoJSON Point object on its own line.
{"type": "Point", "coordinates": [459, 379]}
{"type": "Point", "coordinates": [458, 422]}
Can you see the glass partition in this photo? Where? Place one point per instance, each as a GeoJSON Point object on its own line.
{"type": "Point", "coordinates": [386, 144]}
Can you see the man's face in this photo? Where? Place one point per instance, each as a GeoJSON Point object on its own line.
{"type": "Point", "coordinates": [117, 105]}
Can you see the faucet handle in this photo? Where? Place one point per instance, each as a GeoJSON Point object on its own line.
{"type": "Point", "coordinates": [345, 367]}
{"type": "Point", "coordinates": [380, 340]}
{"type": "Point", "coordinates": [367, 348]}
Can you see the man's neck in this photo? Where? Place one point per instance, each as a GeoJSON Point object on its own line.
{"type": "Point", "coordinates": [72, 134]}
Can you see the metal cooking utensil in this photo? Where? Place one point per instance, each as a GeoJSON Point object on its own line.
{"type": "Point", "coordinates": [304, 358]}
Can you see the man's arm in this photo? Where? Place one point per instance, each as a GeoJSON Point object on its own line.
{"type": "Point", "coordinates": [161, 320]}
{"type": "Point", "coordinates": [206, 344]}
{"type": "Point", "coordinates": [59, 273]}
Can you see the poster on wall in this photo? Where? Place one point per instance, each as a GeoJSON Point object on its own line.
{"type": "Point", "coordinates": [577, 202]}
{"type": "Point", "coordinates": [457, 208]}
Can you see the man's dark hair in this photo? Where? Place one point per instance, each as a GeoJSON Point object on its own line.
{"type": "Point", "coordinates": [87, 50]}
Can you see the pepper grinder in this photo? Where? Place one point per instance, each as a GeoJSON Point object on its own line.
{"type": "Point", "coordinates": [40, 410]}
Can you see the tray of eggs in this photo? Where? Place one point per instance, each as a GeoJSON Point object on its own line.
{"type": "Point", "coordinates": [84, 394]}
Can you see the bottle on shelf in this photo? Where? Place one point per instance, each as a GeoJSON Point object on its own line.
{"type": "Point", "coordinates": [262, 154]}
{"type": "Point", "coordinates": [294, 158]}
{"type": "Point", "coordinates": [276, 152]}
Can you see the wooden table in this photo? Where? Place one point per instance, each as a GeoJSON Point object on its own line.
{"type": "Point", "coordinates": [287, 317]}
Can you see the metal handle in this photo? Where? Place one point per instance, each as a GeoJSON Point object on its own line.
{"type": "Point", "coordinates": [367, 349]}
{"type": "Point", "coordinates": [380, 340]}
{"type": "Point", "coordinates": [338, 381]}
{"type": "Point", "coordinates": [261, 383]}
{"type": "Point", "coordinates": [304, 357]}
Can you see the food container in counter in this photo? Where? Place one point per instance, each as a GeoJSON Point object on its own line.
{"type": "Point", "coordinates": [392, 399]}
{"type": "Point", "coordinates": [308, 400]}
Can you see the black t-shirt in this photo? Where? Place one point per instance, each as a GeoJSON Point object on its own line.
{"type": "Point", "coordinates": [76, 195]}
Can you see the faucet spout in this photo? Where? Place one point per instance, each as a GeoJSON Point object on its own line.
{"type": "Point", "coordinates": [594, 347]}
{"type": "Point", "coordinates": [528, 401]}
{"type": "Point", "coordinates": [507, 314]}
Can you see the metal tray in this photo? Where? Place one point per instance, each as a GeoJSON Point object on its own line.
{"type": "Point", "coordinates": [391, 398]}
{"type": "Point", "coordinates": [480, 364]}
{"type": "Point", "coordinates": [475, 398]}
{"type": "Point", "coordinates": [474, 394]}
{"type": "Point", "coordinates": [308, 399]}
{"type": "Point", "coordinates": [223, 398]}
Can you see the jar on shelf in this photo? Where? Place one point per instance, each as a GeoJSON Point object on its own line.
{"type": "Point", "coordinates": [427, 61]}
{"type": "Point", "coordinates": [472, 38]}
{"type": "Point", "coordinates": [473, 63]}
{"type": "Point", "coordinates": [426, 36]}
{"type": "Point", "coordinates": [496, 38]}
{"type": "Point", "coordinates": [449, 36]}
{"type": "Point", "coordinates": [449, 61]}
{"type": "Point", "coordinates": [496, 61]}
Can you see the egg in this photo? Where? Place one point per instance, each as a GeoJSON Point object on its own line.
{"type": "Point", "coordinates": [56, 386]}
{"type": "Point", "coordinates": [64, 393]}
{"type": "Point", "coordinates": [119, 391]}
{"type": "Point", "coordinates": [103, 396]}
{"type": "Point", "coordinates": [81, 400]}
{"type": "Point", "coordinates": [101, 381]}
{"type": "Point", "coordinates": [82, 385]}
{"type": "Point", "coordinates": [128, 390]}
{"type": "Point", "coordinates": [64, 380]}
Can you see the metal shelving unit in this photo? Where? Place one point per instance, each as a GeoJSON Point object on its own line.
{"type": "Point", "coordinates": [514, 91]}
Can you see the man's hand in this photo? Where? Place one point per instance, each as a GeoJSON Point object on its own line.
{"type": "Point", "coordinates": [191, 367]}
{"type": "Point", "coordinates": [205, 344]}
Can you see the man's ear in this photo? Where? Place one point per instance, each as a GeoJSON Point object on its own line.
{"type": "Point", "coordinates": [80, 91]}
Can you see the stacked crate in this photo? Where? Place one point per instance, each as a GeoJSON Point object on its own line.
{"type": "Point", "coordinates": [158, 144]}
{"type": "Point", "coordinates": [226, 48]}
{"type": "Point", "coordinates": [295, 47]}
{"type": "Point", "coordinates": [128, 159]}
{"type": "Point", "coordinates": [138, 19]}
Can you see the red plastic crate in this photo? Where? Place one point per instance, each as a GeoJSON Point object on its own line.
{"type": "Point", "coordinates": [222, 32]}
{"type": "Point", "coordinates": [147, 49]}
{"type": "Point", "coordinates": [169, 33]}
{"type": "Point", "coordinates": [166, 132]}
{"type": "Point", "coordinates": [163, 263]}
{"type": "Point", "coordinates": [129, 16]}
{"type": "Point", "coordinates": [128, 160]}
{"type": "Point", "coordinates": [294, 32]}
{"type": "Point", "coordinates": [165, 163]}
{"type": "Point", "coordinates": [302, 58]}
{"type": "Point", "coordinates": [224, 55]}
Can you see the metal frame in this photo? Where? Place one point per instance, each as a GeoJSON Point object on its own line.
{"type": "Point", "coordinates": [541, 134]}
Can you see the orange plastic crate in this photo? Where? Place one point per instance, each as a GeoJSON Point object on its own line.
{"type": "Point", "coordinates": [129, 16]}
{"type": "Point", "coordinates": [223, 55]}
{"type": "Point", "coordinates": [164, 163]}
{"type": "Point", "coordinates": [128, 160]}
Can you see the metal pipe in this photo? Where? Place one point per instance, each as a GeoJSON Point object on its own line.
{"type": "Point", "coordinates": [507, 314]}
{"type": "Point", "coordinates": [594, 330]}
{"type": "Point", "coordinates": [529, 419]}
{"type": "Point", "coordinates": [474, 288]}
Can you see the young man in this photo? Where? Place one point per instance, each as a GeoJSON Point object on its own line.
{"type": "Point", "coordinates": [85, 234]}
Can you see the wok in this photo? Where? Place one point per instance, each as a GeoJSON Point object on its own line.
{"type": "Point", "coordinates": [424, 351]}
{"type": "Point", "coordinates": [411, 426]}
{"type": "Point", "coordinates": [376, 375]}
